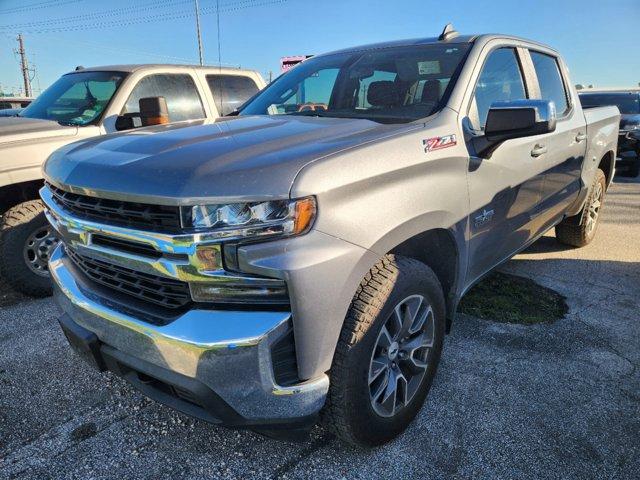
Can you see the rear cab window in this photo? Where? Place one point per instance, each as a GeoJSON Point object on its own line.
{"type": "Point", "coordinates": [550, 81]}
{"type": "Point", "coordinates": [500, 80]}
{"type": "Point", "coordinates": [231, 91]}
{"type": "Point", "coordinates": [179, 90]}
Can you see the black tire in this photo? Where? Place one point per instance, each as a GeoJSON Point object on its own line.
{"type": "Point", "coordinates": [18, 224]}
{"type": "Point", "coordinates": [579, 235]}
{"type": "Point", "coordinates": [634, 170]}
{"type": "Point", "coordinates": [349, 412]}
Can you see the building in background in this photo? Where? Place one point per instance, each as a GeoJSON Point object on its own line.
{"type": "Point", "coordinates": [287, 63]}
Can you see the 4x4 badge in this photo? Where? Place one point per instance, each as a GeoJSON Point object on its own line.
{"type": "Point", "coordinates": [436, 143]}
{"type": "Point", "coordinates": [484, 217]}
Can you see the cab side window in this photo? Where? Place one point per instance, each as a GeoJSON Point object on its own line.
{"type": "Point", "coordinates": [500, 80]}
{"type": "Point", "coordinates": [550, 81]}
{"type": "Point", "coordinates": [179, 90]}
{"type": "Point", "coordinates": [230, 91]}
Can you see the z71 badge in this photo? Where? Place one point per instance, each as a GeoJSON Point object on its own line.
{"type": "Point", "coordinates": [436, 143]}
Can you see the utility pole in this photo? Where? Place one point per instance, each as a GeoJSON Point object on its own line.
{"type": "Point", "coordinates": [198, 30]}
{"type": "Point", "coordinates": [24, 66]}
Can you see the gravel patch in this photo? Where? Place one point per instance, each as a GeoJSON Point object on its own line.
{"type": "Point", "coordinates": [550, 400]}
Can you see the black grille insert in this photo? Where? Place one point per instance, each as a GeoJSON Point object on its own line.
{"type": "Point", "coordinates": [129, 214]}
{"type": "Point", "coordinates": [126, 246]}
{"type": "Point", "coordinates": [155, 289]}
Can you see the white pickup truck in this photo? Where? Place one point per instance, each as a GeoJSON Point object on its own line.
{"type": "Point", "coordinates": [82, 104]}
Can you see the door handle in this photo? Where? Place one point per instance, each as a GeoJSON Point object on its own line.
{"type": "Point", "coordinates": [580, 137]}
{"type": "Point", "coordinates": [538, 150]}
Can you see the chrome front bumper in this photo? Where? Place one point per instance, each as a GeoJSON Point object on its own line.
{"type": "Point", "coordinates": [228, 351]}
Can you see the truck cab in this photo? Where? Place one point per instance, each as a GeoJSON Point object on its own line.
{"type": "Point", "coordinates": [82, 104]}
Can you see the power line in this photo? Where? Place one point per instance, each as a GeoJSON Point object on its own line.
{"type": "Point", "coordinates": [38, 6]}
{"type": "Point", "coordinates": [153, 18]}
{"type": "Point", "coordinates": [123, 16]}
{"type": "Point", "coordinates": [115, 12]}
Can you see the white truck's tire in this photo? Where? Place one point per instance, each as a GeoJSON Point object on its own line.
{"type": "Point", "coordinates": [26, 241]}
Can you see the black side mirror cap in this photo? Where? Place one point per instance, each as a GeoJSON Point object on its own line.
{"type": "Point", "coordinates": [128, 121]}
{"type": "Point", "coordinates": [515, 119]}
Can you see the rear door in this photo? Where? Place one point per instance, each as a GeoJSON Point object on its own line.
{"type": "Point", "coordinates": [178, 89]}
{"type": "Point", "coordinates": [229, 92]}
{"type": "Point", "coordinates": [566, 147]}
{"type": "Point", "coordinates": [504, 190]}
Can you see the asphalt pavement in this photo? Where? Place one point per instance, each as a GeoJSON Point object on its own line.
{"type": "Point", "coordinates": [553, 400]}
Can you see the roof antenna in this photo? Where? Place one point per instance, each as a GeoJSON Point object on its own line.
{"type": "Point", "coordinates": [448, 33]}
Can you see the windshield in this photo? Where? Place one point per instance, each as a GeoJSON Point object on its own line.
{"type": "Point", "coordinates": [76, 98]}
{"type": "Point", "coordinates": [627, 103]}
{"type": "Point", "coordinates": [389, 85]}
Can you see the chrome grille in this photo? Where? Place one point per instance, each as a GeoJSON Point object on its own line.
{"type": "Point", "coordinates": [128, 214]}
{"type": "Point", "coordinates": [155, 289]}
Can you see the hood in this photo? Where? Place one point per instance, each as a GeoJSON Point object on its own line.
{"type": "Point", "coordinates": [13, 129]}
{"type": "Point", "coordinates": [241, 159]}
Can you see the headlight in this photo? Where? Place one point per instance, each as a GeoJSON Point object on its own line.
{"type": "Point", "coordinates": [275, 217]}
{"type": "Point", "coordinates": [632, 126]}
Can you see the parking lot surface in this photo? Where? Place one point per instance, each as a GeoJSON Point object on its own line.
{"type": "Point", "coordinates": [554, 400]}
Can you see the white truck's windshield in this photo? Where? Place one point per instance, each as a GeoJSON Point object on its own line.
{"type": "Point", "coordinates": [76, 98]}
{"type": "Point", "coordinates": [390, 85]}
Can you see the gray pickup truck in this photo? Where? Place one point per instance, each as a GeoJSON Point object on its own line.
{"type": "Point", "coordinates": [304, 258]}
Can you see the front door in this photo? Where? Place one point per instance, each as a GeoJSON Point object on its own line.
{"type": "Point", "coordinates": [504, 190]}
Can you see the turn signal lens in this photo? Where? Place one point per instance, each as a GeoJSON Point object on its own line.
{"type": "Point", "coordinates": [305, 213]}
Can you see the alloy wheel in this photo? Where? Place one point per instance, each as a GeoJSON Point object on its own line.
{"type": "Point", "coordinates": [399, 358]}
{"type": "Point", "coordinates": [594, 208]}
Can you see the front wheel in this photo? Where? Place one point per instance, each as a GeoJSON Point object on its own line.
{"type": "Point", "coordinates": [26, 242]}
{"type": "Point", "coordinates": [568, 232]}
{"type": "Point", "coordinates": [387, 354]}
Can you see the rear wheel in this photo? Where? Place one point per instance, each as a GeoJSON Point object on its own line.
{"type": "Point", "coordinates": [27, 240]}
{"type": "Point", "coordinates": [568, 232]}
{"type": "Point", "coordinates": [388, 352]}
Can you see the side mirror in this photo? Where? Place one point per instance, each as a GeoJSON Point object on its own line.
{"type": "Point", "coordinates": [153, 111]}
{"type": "Point", "coordinates": [127, 121]}
{"type": "Point", "coordinates": [515, 119]}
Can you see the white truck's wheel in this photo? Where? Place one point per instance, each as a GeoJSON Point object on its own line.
{"type": "Point", "coordinates": [26, 242]}
{"type": "Point", "coordinates": [388, 352]}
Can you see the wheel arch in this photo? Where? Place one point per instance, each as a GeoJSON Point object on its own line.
{"type": "Point", "coordinates": [437, 248]}
{"type": "Point", "coordinates": [16, 193]}
{"type": "Point", "coordinates": [607, 165]}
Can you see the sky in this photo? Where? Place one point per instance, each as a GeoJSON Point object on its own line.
{"type": "Point", "coordinates": [598, 38]}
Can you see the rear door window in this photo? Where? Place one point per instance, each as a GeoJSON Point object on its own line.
{"type": "Point", "coordinates": [230, 91]}
{"type": "Point", "coordinates": [550, 80]}
{"type": "Point", "coordinates": [179, 90]}
{"type": "Point", "coordinates": [501, 80]}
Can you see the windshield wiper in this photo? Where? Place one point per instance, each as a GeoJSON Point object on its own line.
{"type": "Point", "coordinates": [313, 113]}
{"type": "Point", "coordinates": [379, 118]}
